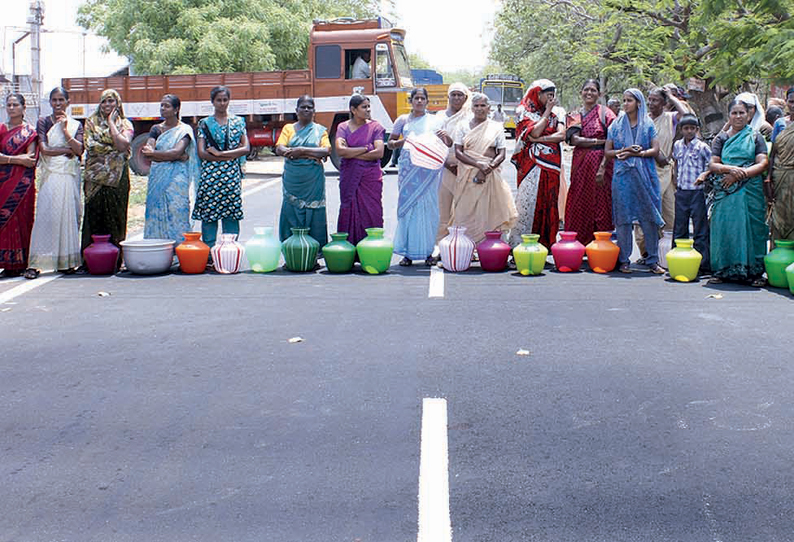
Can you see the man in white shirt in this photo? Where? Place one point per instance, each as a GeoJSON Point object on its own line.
{"type": "Point", "coordinates": [498, 115]}
{"type": "Point", "coordinates": [361, 66]}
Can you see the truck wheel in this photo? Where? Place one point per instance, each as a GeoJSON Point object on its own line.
{"type": "Point", "coordinates": [138, 163]}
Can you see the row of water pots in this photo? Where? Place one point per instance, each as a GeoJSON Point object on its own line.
{"type": "Point", "coordinates": [263, 251]}
{"type": "Point", "coordinates": [568, 253]}
{"type": "Point", "coordinates": [300, 251]}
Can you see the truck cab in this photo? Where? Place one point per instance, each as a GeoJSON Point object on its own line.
{"type": "Point", "coordinates": [335, 47]}
{"type": "Point", "coordinates": [267, 100]}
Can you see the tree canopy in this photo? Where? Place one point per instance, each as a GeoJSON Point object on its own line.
{"type": "Point", "coordinates": [728, 43]}
{"type": "Point", "coordinates": [203, 36]}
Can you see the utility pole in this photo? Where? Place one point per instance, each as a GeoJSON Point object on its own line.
{"type": "Point", "coordinates": [36, 21]}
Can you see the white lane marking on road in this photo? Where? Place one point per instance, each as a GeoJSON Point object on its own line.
{"type": "Point", "coordinates": [138, 236]}
{"type": "Point", "coordinates": [434, 520]}
{"type": "Point", "coordinates": [29, 285]}
{"type": "Point", "coordinates": [436, 282]}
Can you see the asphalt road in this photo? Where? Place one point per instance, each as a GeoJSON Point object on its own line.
{"type": "Point", "coordinates": [177, 409]}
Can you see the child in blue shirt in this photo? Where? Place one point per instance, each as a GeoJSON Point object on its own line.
{"type": "Point", "coordinates": [692, 156]}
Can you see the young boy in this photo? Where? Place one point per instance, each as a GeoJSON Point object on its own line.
{"type": "Point", "coordinates": [692, 156]}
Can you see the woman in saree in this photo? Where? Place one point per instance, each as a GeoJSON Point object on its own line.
{"type": "Point", "coordinates": [537, 160]}
{"type": "Point", "coordinates": [589, 206]}
{"type": "Point", "coordinates": [55, 240]}
{"type": "Point", "coordinates": [632, 142]}
{"type": "Point", "coordinates": [175, 168]}
{"type": "Point", "coordinates": [779, 185]}
{"type": "Point", "coordinates": [482, 200]}
{"type": "Point", "coordinates": [735, 200]}
{"type": "Point", "coordinates": [304, 145]}
{"type": "Point", "coordinates": [18, 154]}
{"type": "Point", "coordinates": [359, 143]}
{"type": "Point", "coordinates": [417, 203]}
{"type": "Point", "coordinates": [457, 113]}
{"type": "Point", "coordinates": [222, 147]}
{"type": "Point", "coordinates": [107, 174]}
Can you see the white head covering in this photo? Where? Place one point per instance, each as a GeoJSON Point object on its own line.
{"type": "Point", "coordinates": [544, 84]}
{"type": "Point", "coordinates": [748, 98]}
{"type": "Point", "coordinates": [465, 110]}
{"type": "Point", "coordinates": [460, 87]}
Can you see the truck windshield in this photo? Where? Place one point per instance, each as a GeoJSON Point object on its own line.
{"type": "Point", "coordinates": [403, 67]}
{"type": "Point", "coordinates": [384, 74]}
{"type": "Point", "coordinates": [494, 93]}
{"type": "Point", "coordinates": [513, 94]}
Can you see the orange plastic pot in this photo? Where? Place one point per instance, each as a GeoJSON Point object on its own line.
{"type": "Point", "coordinates": [192, 253]}
{"type": "Point", "coordinates": [602, 253]}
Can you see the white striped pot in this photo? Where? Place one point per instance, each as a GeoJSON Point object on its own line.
{"type": "Point", "coordinates": [227, 254]}
{"type": "Point", "coordinates": [456, 249]}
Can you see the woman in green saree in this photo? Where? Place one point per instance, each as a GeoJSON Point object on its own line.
{"type": "Point", "coordinates": [735, 198]}
{"type": "Point", "coordinates": [304, 145]}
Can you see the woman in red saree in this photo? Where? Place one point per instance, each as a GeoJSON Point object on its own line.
{"type": "Point", "coordinates": [537, 160]}
{"type": "Point", "coordinates": [589, 207]}
{"type": "Point", "coordinates": [18, 154]}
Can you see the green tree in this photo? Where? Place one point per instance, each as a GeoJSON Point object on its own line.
{"type": "Point", "coordinates": [202, 36]}
{"type": "Point", "coordinates": [729, 43]}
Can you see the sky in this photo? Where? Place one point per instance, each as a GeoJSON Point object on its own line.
{"type": "Point", "coordinates": [449, 34]}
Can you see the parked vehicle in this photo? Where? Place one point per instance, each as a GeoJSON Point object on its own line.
{"type": "Point", "coordinates": [267, 99]}
{"type": "Point", "coordinates": [507, 90]}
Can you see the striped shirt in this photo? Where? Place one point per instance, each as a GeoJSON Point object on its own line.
{"type": "Point", "coordinates": [691, 160]}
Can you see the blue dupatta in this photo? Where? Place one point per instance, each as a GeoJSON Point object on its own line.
{"type": "Point", "coordinates": [169, 187]}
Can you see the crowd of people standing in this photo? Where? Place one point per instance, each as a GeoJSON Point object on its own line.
{"type": "Point", "coordinates": [635, 172]}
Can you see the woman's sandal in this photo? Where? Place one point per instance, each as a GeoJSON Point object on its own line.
{"type": "Point", "coordinates": [625, 268]}
{"type": "Point", "coordinates": [714, 280]}
{"type": "Point", "coordinates": [431, 261]}
{"type": "Point", "coordinates": [406, 262]}
{"type": "Point", "coordinates": [657, 269]}
{"type": "Point", "coordinates": [758, 283]}
{"type": "Point", "coordinates": [31, 273]}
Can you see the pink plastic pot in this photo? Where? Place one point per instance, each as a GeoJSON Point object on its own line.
{"type": "Point", "coordinates": [568, 252]}
{"type": "Point", "coordinates": [101, 256]}
{"type": "Point", "coordinates": [493, 252]}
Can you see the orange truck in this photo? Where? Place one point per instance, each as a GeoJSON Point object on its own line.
{"type": "Point", "coordinates": [267, 100]}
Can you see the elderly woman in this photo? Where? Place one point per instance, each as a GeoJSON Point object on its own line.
{"type": "Point", "coordinates": [779, 185]}
{"type": "Point", "coordinates": [458, 112]}
{"type": "Point", "coordinates": [482, 200]}
{"type": "Point", "coordinates": [734, 194]}
{"type": "Point", "coordinates": [755, 114]}
{"type": "Point", "coordinates": [107, 174]}
{"type": "Point", "coordinates": [538, 158]}
{"type": "Point", "coordinates": [632, 141]}
{"type": "Point", "coordinates": [172, 149]}
{"type": "Point", "coordinates": [55, 241]}
{"type": "Point", "coordinates": [18, 153]}
{"type": "Point", "coordinates": [417, 204]}
{"type": "Point", "coordinates": [222, 147]}
{"type": "Point", "coordinates": [359, 143]}
{"type": "Point", "coordinates": [304, 145]}
{"type": "Point", "coordinates": [589, 206]}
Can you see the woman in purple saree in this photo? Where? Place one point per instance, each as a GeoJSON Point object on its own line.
{"type": "Point", "coordinates": [359, 142]}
